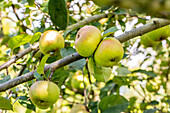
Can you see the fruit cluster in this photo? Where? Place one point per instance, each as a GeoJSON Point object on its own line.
{"type": "Point", "coordinates": [107, 52]}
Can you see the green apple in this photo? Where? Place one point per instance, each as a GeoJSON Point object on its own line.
{"type": "Point", "coordinates": [104, 2]}
{"type": "Point", "coordinates": [152, 86]}
{"type": "Point", "coordinates": [147, 42]}
{"type": "Point", "coordinates": [77, 81]}
{"type": "Point", "coordinates": [43, 94]}
{"type": "Point", "coordinates": [78, 108]}
{"type": "Point", "coordinates": [87, 39]}
{"type": "Point", "coordinates": [109, 52]}
{"type": "Point", "coordinates": [51, 41]}
{"type": "Point", "coordinates": [160, 34]}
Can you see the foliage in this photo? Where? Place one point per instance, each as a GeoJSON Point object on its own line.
{"type": "Point", "coordinates": [122, 88]}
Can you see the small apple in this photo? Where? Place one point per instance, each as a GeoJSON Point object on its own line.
{"type": "Point", "coordinates": [104, 3]}
{"type": "Point", "coordinates": [87, 39]}
{"type": "Point", "coordinates": [78, 108]}
{"type": "Point", "coordinates": [109, 52]}
{"type": "Point", "coordinates": [77, 81]}
{"type": "Point", "coordinates": [152, 86]}
{"type": "Point", "coordinates": [51, 41]}
{"type": "Point", "coordinates": [43, 94]}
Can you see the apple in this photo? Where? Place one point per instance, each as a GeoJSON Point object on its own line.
{"type": "Point", "coordinates": [152, 86]}
{"type": "Point", "coordinates": [51, 41]}
{"type": "Point", "coordinates": [104, 3]}
{"type": "Point", "coordinates": [87, 39]}
{"type": "Point", "coordinates": [160, 34]}
{"type": "Point", "coordinates": [78, 108]}
{"type": "Point", "coordinates": [109, 52]}
{"type": "Point", "coordinates": [43, 94]}
{"type": "Point", "coordinates": [77, 81]}
{"type": "Point", "coordinates": [147, 42]}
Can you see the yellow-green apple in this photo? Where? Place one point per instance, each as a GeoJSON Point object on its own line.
{"type": "Point", "coordinates": [77, 81]}
{"type": "Point", "coordinates": [104, 3]}
{"type": "Point", "coordinates": [160, 34]}
{"type": "Point", "coordinates": [43, 94]}
{"type": "Point", "coordinates": [78, 108]}
{"type": "Point", "coordinates": [87, 39]}
{"type": "Point", "coordinates": [51, 41]}
{"type": "Point", "coordinates": [147, 42]}
{"type": "Point", "coordinates": [109, 52]}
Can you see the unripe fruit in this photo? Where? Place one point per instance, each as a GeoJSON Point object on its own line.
{"type": "Point", "coordinates": [152, 86]}
{"type": "Point", "coordinates": [43, 94]}
{"type": "Point", "coordinates": [51, 41]}
{"type": "Point", "coordinates": [87, 39]}
{"type": "Point", "coordinates": [109, 52]}
{"type": "Point", "coordinates": [77, 81]}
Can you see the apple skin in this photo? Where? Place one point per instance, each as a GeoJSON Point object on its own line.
{"type": "Point", "coordinates": [43, 94]}
{"type": "Point", "coordinates": [87, 39]}
{"type": "Point", "coordinates": [77, 81]}
{"type": "Point", "coordinates": [78, 108]}
{"type": "Point", "coordinates": [104, 3]}
{"type": "Point", "coordinates": [147, 42]}
{"type": "Point", "coordinates": [109, 52]}
{"type": "Point", "coordinates": [160, 34]}
{"type": "Point", "coordinates": [51, 41]}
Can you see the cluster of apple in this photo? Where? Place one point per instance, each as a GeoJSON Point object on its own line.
{"type": "Point", "coordinates": [152, 39]}
{"type": "Point", "coordinates": [107, 52]}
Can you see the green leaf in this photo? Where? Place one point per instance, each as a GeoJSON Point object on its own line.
{"type": "Point", "coordinates": [150, 111]}
{"type": "Point", "coordinates": [40, 68]}
{"type": "Point", "coordinates": [78, 65]}
{"type": "Point", "coordinates": [35, 37]}
{"type": "Point", "coordinates": [19, 40]}
{"type": "Point", "coordinates": [109, 31]}
{"type": "Point", "coordinates": [38, 76]}
{"type": "Point", "coordinates": [104, 91]}
{"type": "Point", "coordinates": [120, 11]}
{"type": "Point", "coordinates": [113, 104]}
{"type": "Point", "coordinates": [5, 104]}
{"type": "Point", "coordinates": [44, 7]}
{"type": "Point", "coordinates": [31, 2]}
{"type": "Point", "coordinates": [60, 75]}
{"type": "Point", "coordinates": [58, 13]}
{"type": "Point", "coordinates": [122, 71]}
{"type": "Point", "coordinates": [6, 78]}
{"type": "Point", "coordinates": [124, 80]}
{"type": "Point", "coordinates": [149, 73]}
{"type": "Point", "coordinates": [101, 74]}
{"type": "Point", "coordinates": [26, 102]}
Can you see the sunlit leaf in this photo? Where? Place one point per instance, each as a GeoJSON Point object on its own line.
{"type": "Point", "coordinates": [40, 68]}
{"type": "Point", "coordinates": [5, 104]}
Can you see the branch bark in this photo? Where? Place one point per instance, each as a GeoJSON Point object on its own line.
{"type": "Point", "coordinates": [74, 57]}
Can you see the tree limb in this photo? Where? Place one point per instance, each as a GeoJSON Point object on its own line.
{"type": "Point", "coordinates": [74, 57]}
{"type": "Point", "coordinates": [18, 56]}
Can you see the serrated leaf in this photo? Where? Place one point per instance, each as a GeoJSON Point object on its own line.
{"type": "Point", "coordinates": [19, 40]}
{"type": "Point", "coordinates": [6, 78]}
{"type": "Point", "coordinates": [101, 74]}
{"type": "Point", "coordinates": [109, 31]}
{"type": "Point", "coordinates": [149, 73]}
{"type": "Point", "coordinates": [122, 71]}
{"type": "Point", "coordinates": [113, 104]}
{"type": "Point", "coordinates": [35, 37]}
{"type": "Point", "coordinates": [40, 68]}
{"type": "Point", "coordinates": [5, 104]}
{"type": "Point", "coordinates": [58, 13]}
